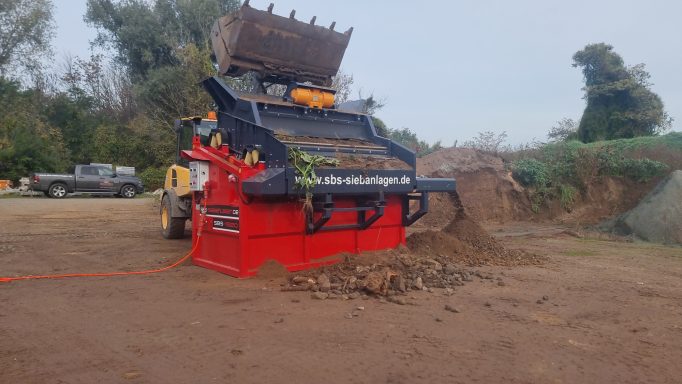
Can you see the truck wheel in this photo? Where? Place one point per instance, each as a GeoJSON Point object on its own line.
{"type": "Point", "coordinates": [128, 191]}
{"type": "Point", "coordinates": [171, 227]}
{"type": "Point", "coordinates": [57, 190]}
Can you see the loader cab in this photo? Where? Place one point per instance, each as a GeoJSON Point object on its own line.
{"type": "Point", "coordinates": [187, 128]}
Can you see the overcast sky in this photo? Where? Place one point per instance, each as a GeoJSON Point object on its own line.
{"type": "Point", "coordinates": [450, 69]}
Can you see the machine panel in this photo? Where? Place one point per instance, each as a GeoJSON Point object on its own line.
{"type": "Point", "coordinates": [198, 175]}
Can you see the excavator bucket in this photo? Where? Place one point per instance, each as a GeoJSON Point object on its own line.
{"type": "Point", "coordinates": [278, 49]}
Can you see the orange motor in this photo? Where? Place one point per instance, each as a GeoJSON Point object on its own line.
{"type": "Point", "coordinates": [313, 98]}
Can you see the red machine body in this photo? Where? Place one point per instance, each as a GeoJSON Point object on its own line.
{"type": "Point", "coordinates": [236, 234]}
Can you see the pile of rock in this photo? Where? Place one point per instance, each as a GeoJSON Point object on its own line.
{"type": "Point", "coordinates": [389, 273]}
{"type": "Point", "coordinates": [435, 259]}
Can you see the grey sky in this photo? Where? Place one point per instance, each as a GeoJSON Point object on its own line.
{"type": "Point", "coordinates": [449, 69]}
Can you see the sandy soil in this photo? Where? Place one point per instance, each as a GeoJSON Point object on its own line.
{"type": "Point", "coordinates": [611, 313]}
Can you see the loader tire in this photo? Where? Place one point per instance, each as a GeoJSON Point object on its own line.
{"type": "Point", "coordinates": [171, 227]}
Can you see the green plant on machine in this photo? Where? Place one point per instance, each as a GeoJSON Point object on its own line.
{"type": "Point", "coordinates": [304, 163]}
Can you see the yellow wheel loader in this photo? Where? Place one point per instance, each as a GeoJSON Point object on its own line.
{"type": "Point", "coordinates": [176, 200]}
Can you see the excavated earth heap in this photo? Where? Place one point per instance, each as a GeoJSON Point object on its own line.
{"type": "Point", "coordinates": [486, 187]}
{"type": "Point", "coordinates": [432, 259]}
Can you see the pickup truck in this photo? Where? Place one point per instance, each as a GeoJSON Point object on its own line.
{"type": "Point", "coordinates": [91, 179]}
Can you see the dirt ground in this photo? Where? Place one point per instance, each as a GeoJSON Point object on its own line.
{"type": "Point", "coordinates": [599, 311]}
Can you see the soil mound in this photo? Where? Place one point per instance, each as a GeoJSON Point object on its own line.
{"type": "Point", "coordinates": [270, 270]}
{"type": "Point", "coordinates": [486, 188]}
{"type": "Point", "coordinates": [489, 192]}
{"type": "Point", "coordinates": [438, 259]}
{"type": "Point", "coordinates": [658, 217]}
{"type": "Point", "coordinates": [603, 198]}
{"type": "Point", "coordinates": [463, 240]}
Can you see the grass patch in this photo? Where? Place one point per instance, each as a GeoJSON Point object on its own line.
{"type": "Point", "coordinates": [672, 140]}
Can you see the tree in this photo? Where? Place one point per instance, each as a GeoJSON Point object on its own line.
{"type": "Point", "coordinates": [380, 127]}
{"type": "Point", "coordinates": [71, 114]}
{"type": "Point", "coordinates": [565, 129]}
{"type": "Point", "coordinates": [149, 34]}
{"type": "Point", "coordinates": [487, 141]}
{"type": "Point", "coordinates": [107, 85]}
{"type": "Point", "coordinates": [408, 138]}
{"type": "Point", "coordinates": [371, 104]}
{"type": "Point", "coordinates": [27, 141]}
{"type": "Point", "coordinates": [619, 101]}
{"type": "Point", "coordinates": [26, 28]}
{"type": "Point", "coordinates": [342, 83]}
{"type": "Point", "coordinates": [163, 48]}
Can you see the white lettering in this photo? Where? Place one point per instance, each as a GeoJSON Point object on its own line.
{"type": "Point", "coordinates": [360, 180]}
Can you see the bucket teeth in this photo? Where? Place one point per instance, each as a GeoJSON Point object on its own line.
{"type": "Point", "coordinates": [304, 51]}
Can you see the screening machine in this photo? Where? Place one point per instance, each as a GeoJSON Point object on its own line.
{"type": "Point", "coordinates": [288, 177]}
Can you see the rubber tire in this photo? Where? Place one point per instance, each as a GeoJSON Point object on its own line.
{"type": "Point", "coordinates": [57, 191]}
{"type": "Point", "coordinates": [175, 227]}
{"type": "Point", "coordinates": [128, 191]}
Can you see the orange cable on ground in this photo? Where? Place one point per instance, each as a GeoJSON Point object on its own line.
{"type": "Point", "coordinates": [65, 275]}
{"type": "Point", "coordinates": [107, 274]}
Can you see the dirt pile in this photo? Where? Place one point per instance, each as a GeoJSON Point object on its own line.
{"type": "Point", "coordinates": [463, 240]}
{"type": "Point", "coordinates": [432, 259]}
{"type": "Point", "coordinates": [603, 198]}
{"type": "Point", "coordinates": [385, 273]}
{"type": "Point", "coordinates": [658, 217]}
{"type": "Point", "coordinates": [489, 192]}
{"type": "Point", "coordinates": [487, 189]}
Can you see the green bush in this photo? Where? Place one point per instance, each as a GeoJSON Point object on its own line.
{"type": "Point", "coordinates": [531, 173]}
{"type": "Point", "coordinates": [560, 170]}
{"type": "Point", "coordinates": [536, 175]}
{"type": "Point", "coordinates": [153, 178]}
{"type": "Point", "coordinates": [642, 170]}
{"type": "Point", "coordinates": [563, 159]}
{"type": "Point", "coordinates": [672, 140]}
{"type": "Point", "coordinates": [567, 195]}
